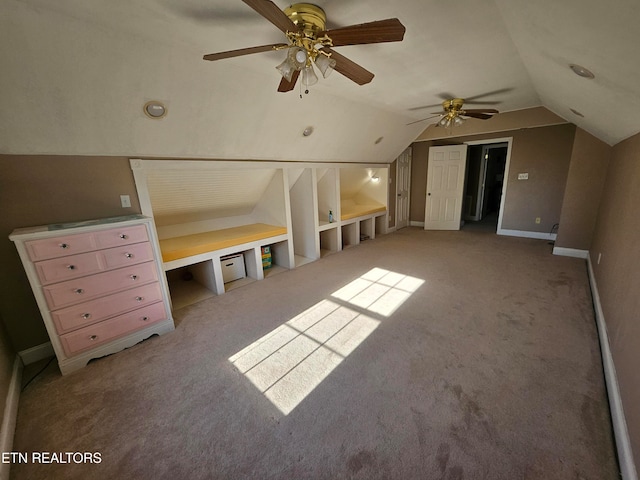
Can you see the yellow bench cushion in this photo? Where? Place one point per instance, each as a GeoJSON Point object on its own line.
{"type": "Point", "coordinates": [354, 210]}
{"type": "Point", "coordinates": [188, 245]}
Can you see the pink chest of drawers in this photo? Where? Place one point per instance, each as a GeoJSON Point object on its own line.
{"type": "Point", "coordinates": [99, 285]}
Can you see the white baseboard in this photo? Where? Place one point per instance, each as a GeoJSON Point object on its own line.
{"type": "Point", "coordinates": [416, 224]}
{"type": "Point", "coordinates": [37, 353]}
{"type": "Point", "coordinates": [526, 234]}
{"type": "Point", "coordinates": [10, 415]}
{"type": "Point", "coordinates": [623, 444]}
{"type": "Point", "coordinates": [570, 252]}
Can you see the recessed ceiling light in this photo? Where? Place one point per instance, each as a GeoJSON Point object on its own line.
{"type": "Point", "coordinates": [575, 112]}
{"type": "Point", "coordinates": [581, 71]}
{"type": "Point", "coordinates": [154, 109]}
{"type": "Point", "coordinates": [307, 131]}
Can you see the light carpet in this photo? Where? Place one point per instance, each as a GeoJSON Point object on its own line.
{"type": "Point", "coordinates": [417, 355]}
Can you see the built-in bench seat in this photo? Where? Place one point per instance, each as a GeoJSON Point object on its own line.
{"type": "Point", "coordinates": [198, 243]}
{"type": "Point", "coordinates": [351, 210]}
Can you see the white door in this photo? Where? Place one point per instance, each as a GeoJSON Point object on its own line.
{"type": "Point", "coordinates": [445, 187]}
{"type": "Point", "coordinates": [403, 183]}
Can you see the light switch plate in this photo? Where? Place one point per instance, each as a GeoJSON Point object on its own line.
{"type": "Point", "coordinates": [125, 201]}
{"type": "Point", "coordinates": [523, 176]}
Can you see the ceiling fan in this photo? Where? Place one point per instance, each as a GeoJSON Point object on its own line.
{"type": "Point", "coordinates": [310, 44]}
{"type": "Point", "coordinates": [453, 114]}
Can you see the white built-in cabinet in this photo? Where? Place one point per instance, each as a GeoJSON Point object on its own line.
{"type": "Point", "coordinates": [187, 197]}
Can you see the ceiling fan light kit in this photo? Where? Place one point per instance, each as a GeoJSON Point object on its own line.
{"type": "Point", "coordinates": [310, 45]}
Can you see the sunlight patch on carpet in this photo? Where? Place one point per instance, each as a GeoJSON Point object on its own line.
{"type": "Point", "coordinates": [288, 363]}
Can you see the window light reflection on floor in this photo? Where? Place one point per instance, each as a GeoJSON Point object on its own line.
{"type": "Point", "coordinates": [289, 362]}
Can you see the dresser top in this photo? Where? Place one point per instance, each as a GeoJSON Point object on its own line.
{"type": "Point", "coordinates": [79, 226]}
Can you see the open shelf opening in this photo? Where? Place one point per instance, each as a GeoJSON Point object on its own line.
{"type": "Point", "coordinates": [328, 242]}
{"type": "Point", "coordinates": [349, 235]}
{"type": "Point", "coordinates": [191, 284]}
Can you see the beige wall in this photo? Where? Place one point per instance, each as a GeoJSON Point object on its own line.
{"type": "Point", "coordinates": [617, 238]}
{"type": "Point", "coordinates": [587, 174]}
{"type": "Point", "coordinates": [544, 153]}
{"type": "Point", "coordinates": [37, 190]}
{"type": "Point", "coordinates": [419, 159]}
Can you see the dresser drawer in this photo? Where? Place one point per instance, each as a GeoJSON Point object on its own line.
{"type": "Point", "coordinates": [94, 335]}
{"type": "Point", "coordinates": [65, 268]}
{"type": "Point", "coordinates": [82, 289]}
{"type": "Point", "coordinates": [75, 266]}
{"type": "Point", "coordinates": [60, 246]}
{"type": "Point", "coordinates": [121, 236]}
{"type": "Point", "coordinates": [94, 311]}
{"type": "Point", "coordinates": [126, 255]}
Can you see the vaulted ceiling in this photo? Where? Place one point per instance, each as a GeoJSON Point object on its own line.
{"type": "Point", "coordinates": [76, 73]}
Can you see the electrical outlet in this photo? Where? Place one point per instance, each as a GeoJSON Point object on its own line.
{"type": "Point", "coordinates": [538, 220]}
{"type": "Point", "coordinates": [125, 201]}
{"type": "Point", "coordinates": [523, 176]}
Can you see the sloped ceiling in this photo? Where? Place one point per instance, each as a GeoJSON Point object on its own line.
{"type": "Point", "coordinates": [189, 196]}
{"type": "Point", "coordinates": [76, 73]}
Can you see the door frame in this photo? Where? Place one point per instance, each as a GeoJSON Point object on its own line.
{"type": "Point", "coordinates": [503, 197]}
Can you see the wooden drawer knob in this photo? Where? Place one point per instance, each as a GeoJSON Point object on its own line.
{"type": "Point", "coordinates": [124, 236]}
{"type": "Point", "coordinates": [128, 255]}
{"type": "Point", "coordinates": [79, 291]}
{"type": "Point", "coordinates": [134, 277]}
{"type": "Point", "coordinates": [71, 267]}
{"type": "Point", "coordinates": [144, 319]}
{"type": "Point", "coordinates": [64, 245]}
{"type": "Point", "coordinates": [139, 299]}
{"type": "Point", "coordinates": [86, 316]}
{"type": "Point", "coordinates": [93, 338]}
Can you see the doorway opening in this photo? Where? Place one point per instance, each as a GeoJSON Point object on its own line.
{"type": "Point", "coordinates": [484, 187]}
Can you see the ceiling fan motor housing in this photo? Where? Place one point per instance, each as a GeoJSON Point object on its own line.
{"type": "Point", "coordinates": [310, 18]}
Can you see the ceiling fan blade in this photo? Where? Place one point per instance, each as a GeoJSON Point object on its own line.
{"type": "Point", "coordinates": [242, 51]}
{"type": "Point", "coordinates": [350, 69]}
{"type": "Point", "coordinates": [424, 119]}
{"type": "Point", "coordinates": [390, 30]}
{"type": "Point", "coordinates": [481, 116]}
{"type": "Point", "coordinates": [425, 106]}
{"type": "Point", "coordinates": [285, 85]}
{"type": "Point", "coordinates": [495, 92]}
{"type": "Point", "coordinates": [271, 12]}
{"type": "Point", "coordinates": [480, 110]}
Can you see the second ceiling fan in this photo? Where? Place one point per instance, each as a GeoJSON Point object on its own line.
{"type": "Point", "coordinates": [310, 44]}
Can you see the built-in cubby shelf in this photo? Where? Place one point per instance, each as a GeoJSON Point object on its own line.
{"type": "Point", "coordinates": [205, 210]}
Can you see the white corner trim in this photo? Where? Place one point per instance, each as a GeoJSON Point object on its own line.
{"type": "Point", "coordinates": [37, 353]}
{"type": "Point", "coordinates": [570, 252]}
{"type": "Point", "coordinates": [10, 415]}
{"type": "Point", "coordinates": [416, 224]}
{"type": "Point", "coordinates": [623, 444]}
{"type": "Point", "coordinates": [525, 234]}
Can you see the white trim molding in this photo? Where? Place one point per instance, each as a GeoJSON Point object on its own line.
{"type": "Point", "coordinates": [10, 415]}
{"type": "Point", "coordinates": [621, 433]}
{"type": "Point", "coordinates": [571, 252]}
{"type": "Point", "coordinates": [525, 234]}
{"type": "Point", "coordinates": [37, 353]}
